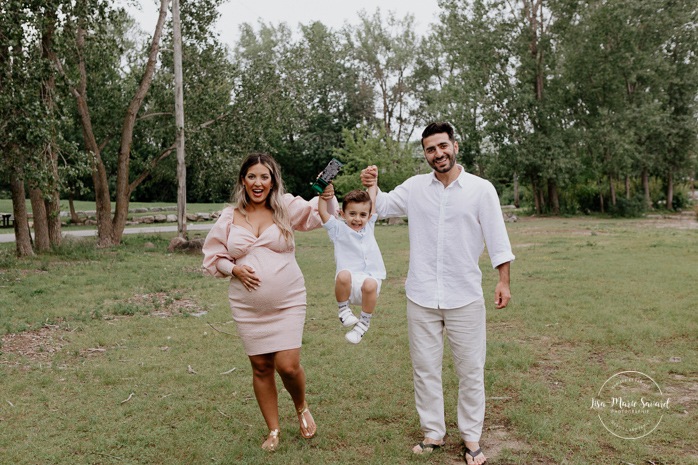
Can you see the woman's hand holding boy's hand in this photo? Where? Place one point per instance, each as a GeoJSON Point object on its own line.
{"type": "Point", "coordinates": [328, 193]}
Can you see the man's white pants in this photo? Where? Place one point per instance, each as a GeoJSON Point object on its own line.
{"type": "Point", "coordinates": [465, 329]}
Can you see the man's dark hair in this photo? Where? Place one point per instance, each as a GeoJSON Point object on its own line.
{"type": "Point", "coordinates": [437, 128]}
{"type": "Point", "coordinates": [357, 196]}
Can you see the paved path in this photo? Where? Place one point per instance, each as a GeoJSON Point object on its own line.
{"type": "Point", "coordinates": [130, 230]}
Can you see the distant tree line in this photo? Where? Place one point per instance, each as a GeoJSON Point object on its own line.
{"type": "Point", "coordinates": [566, 106]}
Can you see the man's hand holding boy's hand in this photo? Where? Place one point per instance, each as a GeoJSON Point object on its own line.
{"type": "Point", "coordinates": [369, 176]}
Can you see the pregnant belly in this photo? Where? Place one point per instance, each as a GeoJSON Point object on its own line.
{"type": "Point", "coordinates": [281, 283]}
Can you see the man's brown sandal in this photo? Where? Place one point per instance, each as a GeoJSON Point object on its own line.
{"type": "Point", "coordinates": [426, 447]}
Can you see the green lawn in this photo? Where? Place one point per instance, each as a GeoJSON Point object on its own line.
{"type": "Point", "coordinates": [99, 350]}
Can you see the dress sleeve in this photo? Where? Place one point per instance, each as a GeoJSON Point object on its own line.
{"type": "Point", "coordinates": [217, 260]}
{"type": "Point", "coordinates": [304, 214]}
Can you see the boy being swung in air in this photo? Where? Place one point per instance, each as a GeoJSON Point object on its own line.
{"type": "Point", "coordinates": [360, 267]}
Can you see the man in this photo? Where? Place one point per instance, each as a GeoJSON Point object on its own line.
{"type": "Point", "coordinates": [451, 216]}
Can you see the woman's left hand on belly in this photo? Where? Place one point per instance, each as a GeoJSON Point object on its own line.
{"type": "Point", "coordinates": [247, 276]}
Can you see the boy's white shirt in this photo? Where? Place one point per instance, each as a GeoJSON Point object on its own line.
{"type": "Point", "coordinates": [356, 251]}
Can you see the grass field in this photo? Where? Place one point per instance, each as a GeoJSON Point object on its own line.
{"type": "Point", "coordinates": [107, 356]}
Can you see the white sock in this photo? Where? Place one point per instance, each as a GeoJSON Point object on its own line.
{"type": "Point", "coordinates": [342, 305]}
{"type": "Point", "coordinates": [366, 318]}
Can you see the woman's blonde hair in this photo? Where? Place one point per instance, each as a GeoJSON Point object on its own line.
{"type": "Point", "coordinates": [274, 199]}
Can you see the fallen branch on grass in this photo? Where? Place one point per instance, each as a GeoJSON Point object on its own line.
{"type": "Point", "coordinates": [219, 330]}
{"type": "Point", "coordinates": [130, 396]}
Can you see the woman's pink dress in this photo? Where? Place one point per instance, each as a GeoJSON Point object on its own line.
{"type": "Point", "coordinates": [271, 317]}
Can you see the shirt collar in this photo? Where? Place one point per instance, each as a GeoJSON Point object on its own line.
{"type": "Point", "coordinates": [460, 180]}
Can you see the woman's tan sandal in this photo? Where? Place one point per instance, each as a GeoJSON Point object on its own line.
{"type": "Point", "coordinates": [272, 441]}
{"type": "Point", "coordinates": [307, 423]}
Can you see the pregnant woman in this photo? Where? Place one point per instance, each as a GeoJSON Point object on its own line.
{"type": "Point", "coordinates": [252, 244]}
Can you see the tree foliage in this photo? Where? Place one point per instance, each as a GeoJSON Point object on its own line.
{"type": "Point", "coordinates": [586, 106]}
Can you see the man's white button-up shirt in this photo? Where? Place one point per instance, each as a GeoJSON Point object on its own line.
{"type": "Point", "coordinates": [448, 230]}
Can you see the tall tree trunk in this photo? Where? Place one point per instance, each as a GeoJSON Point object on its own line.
{"type": "Point", "coordinates": [52, 198]}
{"type": "Point", "coordinates": [74, 219]}
{"type": "Point", "coordinates": [105, 230]}
{"type": "Point", "coordinates": [179, 123]}
{"type": "Point", "coordinates": [123, 188]}
{"type": "Point", "coordinates": [646, 188]}
{"type": "Point", "coordinates": [23, 239]}
{"type": "Point", "coordinates": [612, 189]}
{"type": "Point", "coordinates": [553, 197]}
{"type": "Point", "coordinates": [41, 241]}
{"type": "Point", "coordinates": [516, 190]}
{"type": "Point", "coordinates": [627, 187]}
{"type": "Point", "coordinates": [536, 199]}
{"type": "Point", "coordinates": [670, 190]}
{"type": "Point", "coordinates": [53, 214]}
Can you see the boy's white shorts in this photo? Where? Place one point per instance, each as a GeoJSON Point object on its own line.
{"type": "Point", "coordinates": [357, 280]}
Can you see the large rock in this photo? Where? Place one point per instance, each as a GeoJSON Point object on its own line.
{"type": "Point", "coordinates": [175, 242]}
{"type": "Point", "coordinates": [179, 244]}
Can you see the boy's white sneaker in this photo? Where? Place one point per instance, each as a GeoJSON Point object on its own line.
{"type": "Point", "coordinates": [347, 317]}
{"type": "Point", "coordinates": [354, 336]}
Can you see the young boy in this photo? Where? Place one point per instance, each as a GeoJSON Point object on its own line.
{"type": "Point", "coordinates": [360, 267]}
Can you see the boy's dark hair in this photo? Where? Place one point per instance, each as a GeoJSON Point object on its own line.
{"type": "Point", "coordinates": [356, 196]}
{"type": "Point", "coordinates": [437, 128]}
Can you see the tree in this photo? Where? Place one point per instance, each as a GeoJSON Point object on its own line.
{"type": "Point", "coordinates": [91, 20]}
{"type": "Point", "coordinates": [327, 95]}
{"type": "Point", "coordinates": [363, 147]}
{"type": "Point", "coordinates": [500, 86]}
{"type": "Point", "coordinates": [632, 68]}
{"type": "Point", "coordinates": [681, 53]}
{"type": "Point", "coordinates": [29, 122]}
{"type": "Point", "coordinates": [387, 53]}
{"type": "Point", "coordinates": [293, 97]}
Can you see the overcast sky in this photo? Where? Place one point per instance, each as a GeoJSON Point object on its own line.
{"type": "Point", "coordinates": [333, 13]}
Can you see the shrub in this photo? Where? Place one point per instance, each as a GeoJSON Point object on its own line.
{"type": "Point", "coordinates": [587, 197]}
{"type": "Point", "coordinates": [627, 208]}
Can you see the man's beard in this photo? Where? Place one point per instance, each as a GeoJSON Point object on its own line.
{"type": "Point", "coordinates": [451, 162]}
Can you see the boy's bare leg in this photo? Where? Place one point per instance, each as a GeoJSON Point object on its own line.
{"type": "Point", "coordinates": [342, 286]}
{"type": "Point", "coordinates": [369, 295]}
{"type": "Point", "coordinates": [342, 291]}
